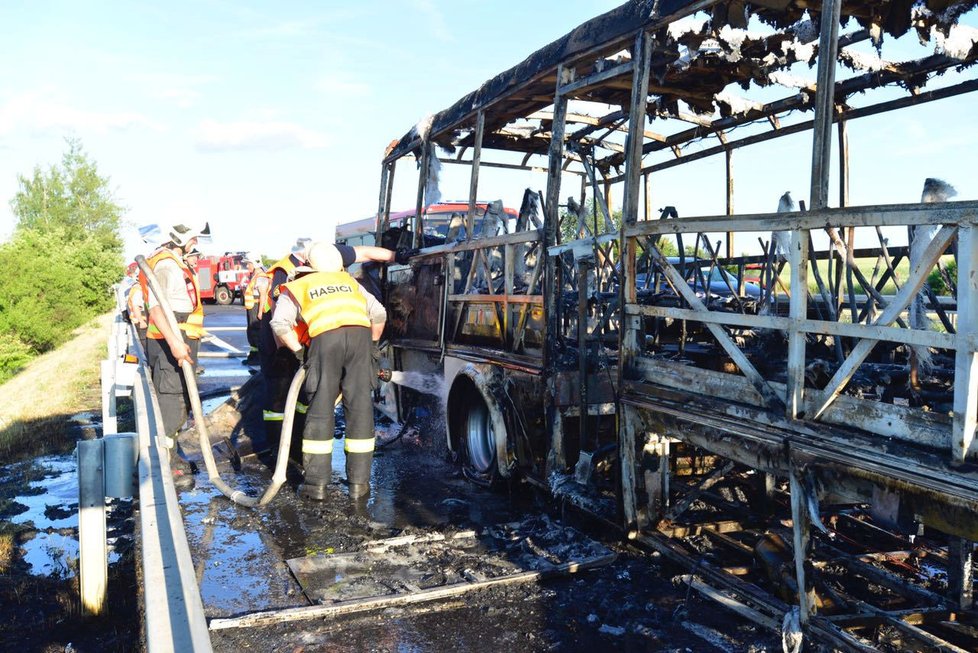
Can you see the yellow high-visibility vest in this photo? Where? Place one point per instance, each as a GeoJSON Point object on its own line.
{"type": "Point", "coordinates": [329, 300]}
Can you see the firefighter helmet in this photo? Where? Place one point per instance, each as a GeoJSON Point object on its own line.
{"type": "Point", "coordinates": [182, 233]}
{"type": "Point", "coordinates": [324, 257]}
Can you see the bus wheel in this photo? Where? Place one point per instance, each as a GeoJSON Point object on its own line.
{"type": "Point", "coordinates": [223, 296]}
{"type": "Point", "coordinates": [479, 438]}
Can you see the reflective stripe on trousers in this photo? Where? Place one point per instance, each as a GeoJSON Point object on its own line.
{"type": "Point", "coordinates": [359, 445]}
{"type": "Point", "coordinates": [317, 447]}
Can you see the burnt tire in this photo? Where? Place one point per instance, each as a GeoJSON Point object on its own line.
{"type": "Point", "coordinates": [223, 295]}
{"type": "Point", "coordinates": [478, 439]}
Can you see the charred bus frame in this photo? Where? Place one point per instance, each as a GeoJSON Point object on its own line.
{"type": "Point", "coordinates": [773, 428]}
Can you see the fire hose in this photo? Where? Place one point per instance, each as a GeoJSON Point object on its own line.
{"type": "Point", "coordinates": [278, 477]}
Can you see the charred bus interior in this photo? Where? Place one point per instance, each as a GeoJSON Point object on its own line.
{"type": "Point", "coordinates": [783, 401]}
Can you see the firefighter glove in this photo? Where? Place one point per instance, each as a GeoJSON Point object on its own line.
{"type": "Point", "coordinates": [404, 254]}
{"type": "Point", "coordinates": [375, 357]}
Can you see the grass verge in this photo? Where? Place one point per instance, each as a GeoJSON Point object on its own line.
{"type": "Point", "coordinates": [37, 404]}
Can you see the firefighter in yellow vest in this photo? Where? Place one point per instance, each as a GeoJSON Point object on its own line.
{"type": "Point", "coordinates": [277, 366]}
{"type": "Point", "coordinates": [344, 323]}
{"type": "Point", "coordinates": [166, 350]}
{"type": "Point", "coordinates": [257, 281]}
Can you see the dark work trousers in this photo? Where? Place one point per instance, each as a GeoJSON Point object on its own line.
{"type": "Point", "coordinates": [278, 378]}
{"type": "Point", "coordinates": [278, 366]}
{"type": "Point", "coordinates": [168, 379]}
{"type": "Point", "coordinates": [142, 338]}
{"type": "Point", "coordinates": [252, 330]}
{"type": "Point", "coordinates": [339, 360]}
{"type": "Point", "coordinates": [277, 371]}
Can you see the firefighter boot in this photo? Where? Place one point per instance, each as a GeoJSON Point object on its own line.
{"type": "Point", "coordinates": [318, 473]}
{"type": "Point", "coordinates": [359, 456]}
{"type": "Point", "coordinates": [183, 475]}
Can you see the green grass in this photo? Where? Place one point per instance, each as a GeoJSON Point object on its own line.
{"type": "Point", "coordinates": [869, 268]}
{"type": "Point", "coordinates": [37, 404]}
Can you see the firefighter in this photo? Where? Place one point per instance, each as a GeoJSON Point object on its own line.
{"type": "Point", "coordinates": [166, 350]}
{"type": "Point", "coordinates": [278, 366]}
{"type": "Point", "coordinates": [256, 288]}
{"type": "Point", "coordinates": [136, 305]}
{"type": "Point", "coordinates": [344, 323]}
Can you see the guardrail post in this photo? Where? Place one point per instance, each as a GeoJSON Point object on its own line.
{"type": "Point", "coordinates": [92, 549]}
{"type": "Point", "coordinates": [120, 456]}
{"type": "Point", "coordinates": [109, 421]}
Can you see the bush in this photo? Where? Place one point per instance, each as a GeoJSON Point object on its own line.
{"type": "Point", "coordinates": [14, 355]}
{"type": "Point", "coordinates": [936, 280]}
{"type": "Point", "coordinates": [59, 285]}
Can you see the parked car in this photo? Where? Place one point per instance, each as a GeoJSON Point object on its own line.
{"type": "Point", "coordinates": [695, 272]}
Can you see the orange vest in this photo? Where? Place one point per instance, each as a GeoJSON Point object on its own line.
{"type": "Point", "coordinates": [329, 300]}
{"type": "Point", "coordinates": [131, 296]}
{"type": "Point", "coordinates": [143, 282]}
{"type": "Point", "coordinates": [194, 326]}
{"type": "Point", "coordinates": [251, 292]}
{"type": "Point", "coordinates": [288, 266]}
{"type": "Point", "coordinates": [302, 333]}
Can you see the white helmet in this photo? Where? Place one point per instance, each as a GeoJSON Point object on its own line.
{"type": "Point", "coordinates": [301, 247]}
{"type": "Point", "coordinates": [182, 233]}
{"type": "Point", "coordinates": [324, 257]}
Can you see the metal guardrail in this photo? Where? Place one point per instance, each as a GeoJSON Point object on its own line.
{"type": "Point", "coordinates": [174, 611]}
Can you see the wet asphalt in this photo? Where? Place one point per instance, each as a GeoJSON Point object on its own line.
{"type": "Point", "coordinates": [240, 554]}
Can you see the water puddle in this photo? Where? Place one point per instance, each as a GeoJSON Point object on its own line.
{"type": "Point", "coordinates": [51, 554]}
{"type": "Point", "coordinates": [213, 403]}
{"type": "Point", "coordinates": [51, 497]}
{"type": "Point", "coordinates": [47, 500]}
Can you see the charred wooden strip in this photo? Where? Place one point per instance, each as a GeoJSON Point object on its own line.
{"type": "Point", "coordinates": [914, 616]}
{"type": "Point", "coordinates": [927, 641]}
{"type": "Point", "coordinates": [889, 580]}
{"type": "Point", "coordinates": [680, 506]}
{"type": "Point", "coordinates": [682, 530]}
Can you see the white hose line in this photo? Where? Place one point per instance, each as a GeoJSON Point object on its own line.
{"type": "Point", "coordinates": [237, 496]}
{"type": "Point", "coordinates": [285, 439]}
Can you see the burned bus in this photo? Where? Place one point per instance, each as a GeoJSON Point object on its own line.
{"type": "Point", "coordinates": [783, 400]}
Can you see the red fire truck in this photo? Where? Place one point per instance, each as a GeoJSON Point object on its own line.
{"type": "Point", "coordinates": [222, 278]}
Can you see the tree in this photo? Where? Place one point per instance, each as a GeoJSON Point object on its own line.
{"type": "Point", "coordinates": [72, 197]}
{"type": "Point", "coordinates": [63, 258]}
{"type": "Point", "coordinates": [569, 221]}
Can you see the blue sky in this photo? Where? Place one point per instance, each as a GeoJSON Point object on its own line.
{"type": "Point", "coordinates": [269, 119]}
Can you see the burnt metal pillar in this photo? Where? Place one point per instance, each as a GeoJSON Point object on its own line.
{"type": "Point", "coordinates": [960, 581]}
{"type": "Point", "coordinates": [801, 496]}
{"type": "Point", "coordinates": [556, 461]}
{"type": "Point", "coordinates": [384, 209]}
{"type": "Point", "coordinates": [965, 362]}
{"type": "Point", "coordinates": [648, 196]}
{"type": "Point", "coordinates": [584, 266]}
{"type": "Point", "coordinates": [961, 551]}
{"type": "Point", "coordinates": [480, 127]}
{"type": "Point", "coordinates": [728, 155]}
{"type": "Point", "coordinates": [426, 152]}
{"type": "Point", "coordinates": [631, 325]}
{"type": "Point", "coordinates": [828, 49]}
{"type": "Point", "coordinates": [385, 173]}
